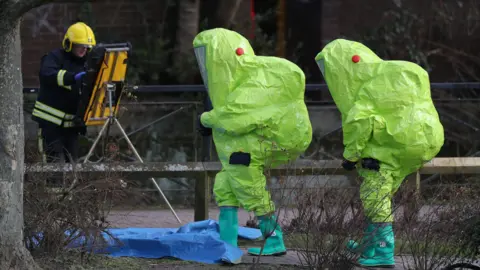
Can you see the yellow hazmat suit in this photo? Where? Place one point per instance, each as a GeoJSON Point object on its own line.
{"type": "Point", "coordinates": [389, 122]}
{"type": "Point", "coordinates": [259, 118]}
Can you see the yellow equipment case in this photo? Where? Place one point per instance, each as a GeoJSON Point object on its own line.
{"type": "Point", "coordinates": [106, 70]}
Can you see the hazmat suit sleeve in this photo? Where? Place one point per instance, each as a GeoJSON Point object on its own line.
{"type": "Point", "coordinates": [235, 121]}
{"type": "Point", "coordinates": [357, 131]}
{"type": "Point", "coordinates": [246, 110]}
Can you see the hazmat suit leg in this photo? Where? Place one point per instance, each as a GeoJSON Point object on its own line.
{"type": "Point", "coordinates": [228, 203]}
{"type": "Point", "coordinates": [248, 184]}
{"type": "Point", "coordinates": [376, 192]}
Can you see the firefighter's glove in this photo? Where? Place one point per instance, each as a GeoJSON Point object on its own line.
{"type": "Point", "coordinates": [348, 165]}
{"type": "Point", "coordinates": [204, 131]}
{"type": "Point", "coordinates": [79, 75]}
{"type": "Point", "coordinates": [371, 164]}
{"type": "Point", "coordinates": [82, 130]}
{"type": "Point", "coordinates": [78, 122]}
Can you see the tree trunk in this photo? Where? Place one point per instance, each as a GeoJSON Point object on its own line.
{"type": "Point", "coordinates": [188, 24]}
{"type": "Point", "coordinates": [13, 254]}
{"type": "Point", "coordinates": [226, 11]}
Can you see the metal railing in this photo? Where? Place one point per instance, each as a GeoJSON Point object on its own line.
{"type": "Point", "coordinates": [208, 168]}
{"type": "Point", "coordinates": [308, 88]}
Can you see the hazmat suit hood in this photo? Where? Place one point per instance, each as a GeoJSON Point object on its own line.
{"type": "Point", "coordinates": [254, 99]}
{"type": "Point", "coordinates": [217, 52]}
{"type": "Point", "coordinates": [343, 74]}
{"type": "Point", "coordinates": [386, 106]}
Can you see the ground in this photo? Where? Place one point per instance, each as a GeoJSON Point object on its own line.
{"type": "Point", "coordinates": [98, 262]}
{"type": "Point", "coordinates": [71, 261]}
{"type": "Point", "coordinates": [164, 218]}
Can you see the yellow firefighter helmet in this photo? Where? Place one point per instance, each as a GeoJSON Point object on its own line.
{"type": "Point", "coordinates": [78, 33]}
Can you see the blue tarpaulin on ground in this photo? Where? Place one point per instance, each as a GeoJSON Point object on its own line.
{"type": "Point", "coordinates": [197, 241]}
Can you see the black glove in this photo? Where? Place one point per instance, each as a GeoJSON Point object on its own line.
{"type": "Point", "coordinates": [78, 122]}
{"type": "Point", "coordinates": [348, 165]}
{"type": "Point", "coordinates": [371, 164]}
{"type": "Point", "coordinates": [204, 131]}
{"type": "Point", "coordinates": [79, 125]}
{"type": "Point", "coordinates": [240, 158]}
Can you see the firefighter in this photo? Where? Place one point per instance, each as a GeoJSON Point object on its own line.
{"type": "Point", "coordinates": [61, 72]}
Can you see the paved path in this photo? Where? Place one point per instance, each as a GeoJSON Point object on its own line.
{"type": "Point", "coordinates": [163, 218]}
{"type": "Point", "coordinates": [295, 258]}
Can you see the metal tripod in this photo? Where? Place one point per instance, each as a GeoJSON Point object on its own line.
{"type": "Point", "coordinates": [111, 118]}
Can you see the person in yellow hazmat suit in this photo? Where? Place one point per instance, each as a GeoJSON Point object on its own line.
{"type": "Point", "coordinates": [390, 129]}
{"type": "Point", "coordinates": [259, 121]}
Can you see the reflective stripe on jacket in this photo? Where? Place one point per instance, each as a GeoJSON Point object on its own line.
{"type": "Point", "coordinates": [58, 98]}
{"type": "Point", "coordinates": [52, 115]}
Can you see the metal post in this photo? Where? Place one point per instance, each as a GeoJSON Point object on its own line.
{"type": "Point", "coordinates": [90, 152]}
{"type": "Point", "coordinates": [110, 88]}
{"type": "Point", "coordinates": [202, 185]}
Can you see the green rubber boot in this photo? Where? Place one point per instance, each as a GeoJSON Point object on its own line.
{"type": "Point", "coordinates": [274, 245]}
{"type": "Point", "coordinates": [228, 222]}
{"type": "Point", "coordinates": [365, 247]}
{"type": "Point", "coordinates": [384, 244]}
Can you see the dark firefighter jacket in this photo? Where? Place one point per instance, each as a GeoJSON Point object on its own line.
{"type": "Point", "coordinates": [58, 98]}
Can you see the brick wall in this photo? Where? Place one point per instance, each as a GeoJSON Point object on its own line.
{"type": "Point", "coordinates": [43, 28]}
{"type": "Point", "coordinates": [312, 22]}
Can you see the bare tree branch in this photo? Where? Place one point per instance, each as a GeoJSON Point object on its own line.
{"type": "Point", "coordinates": [20, 7]}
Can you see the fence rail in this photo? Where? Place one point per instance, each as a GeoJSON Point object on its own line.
{"type": "Point", "coordinates": [201, 171]}
{"type": "Point", "coordinates": [457, 165]}
{"type": "Point", "coordinates": [308, 87]}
